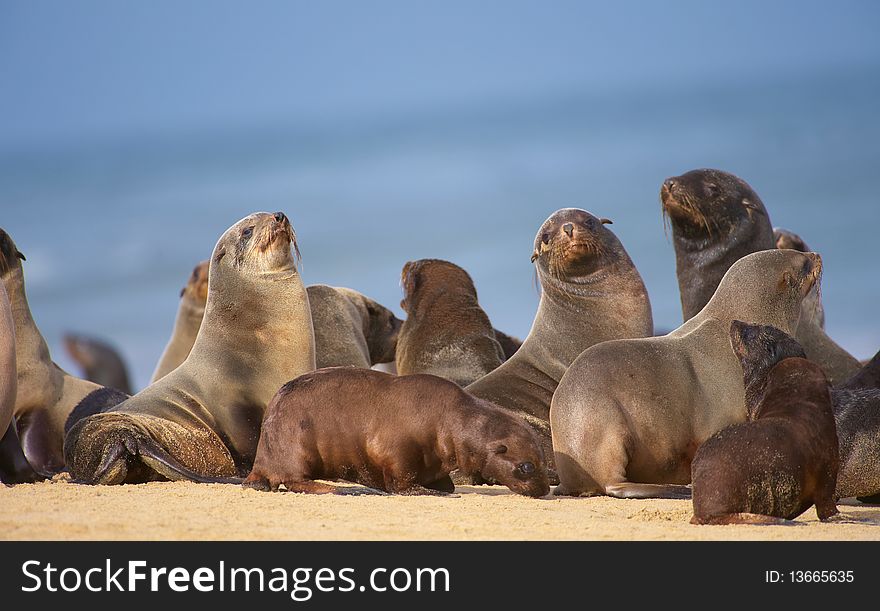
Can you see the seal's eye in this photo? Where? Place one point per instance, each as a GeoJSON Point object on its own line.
{"type": "Point", "coordinates": [526, 467]}
{"type": "Point", "coordinates": [545, 237]}
{"type": "Point", "coordinates": [246, 234]}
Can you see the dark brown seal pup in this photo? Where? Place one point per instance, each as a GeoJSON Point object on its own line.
{"type": "Point", "coordinates": [784, 459]}
{"type": "Point", "coordinates": [204, 417]}
{"type": "Point", "coordinates": [446, 333]}
{"type": "Point", "coordinates": [101, 363]}
{"type": "Point", "coordinates": [629, 414]}
{"type": "Point", "coordinates": [717, 219]}
{"type": "Point", "coordinates": [46, 394]}
{"type": "Point", "coordinates": [590, 292]}
{"type": "Point", "coordinates": [398, 434]}
{"type": "Point", "coordinates": [856, 410]}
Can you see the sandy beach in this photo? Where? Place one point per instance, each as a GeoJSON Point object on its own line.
{"type": "Point", "coordinates": [187, 511]}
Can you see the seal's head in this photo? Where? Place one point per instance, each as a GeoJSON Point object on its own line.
{"type": "Point", "coordinates": [10, 256]}
{"type": "Point", "coordinates": [573, 243]}
{"type": "Point", "coordinates": [258, 244]}
{"type": "Point", "coordinates": [706, 203]}
{"type": "Point", "coordinates": [196, 289]}
{"type": "Point", "coordinates": [423, 275]}
{"type": "Point", "coordinates": [514, 458]}
{"type": "Point", "coordinates": [768, 283]}
{"type": "Point", "coordinates": [382, 333]}
{"type": "Point", "coordinates": [759, 348]}
{"type": "Point", "coordinates": [789, 240]}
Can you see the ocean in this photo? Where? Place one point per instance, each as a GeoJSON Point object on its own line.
{"type": "Point", "coordinates": [112, 228]}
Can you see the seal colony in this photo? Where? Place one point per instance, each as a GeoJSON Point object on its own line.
{"type": "Point", "coordinates": [267, 383]}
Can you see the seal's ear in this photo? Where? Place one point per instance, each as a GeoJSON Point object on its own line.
{"type": "Point", "coordinates": [751, 206]}
{"type": "Point", "coordinates": [182, 291]}
{"type": "Point", "coordinates": [220, 254]}
{"type": "Point", "coordinates": [605, 221]}
{"type": "Point", "coordinates": [19, 255]}
{"type": "Point", "coordinates": [787, 281]}
{"type": "Point", "coordinates": [500, 449]}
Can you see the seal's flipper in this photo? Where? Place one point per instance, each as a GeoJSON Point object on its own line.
{"type": "Point", "coordinates": [745, 518]}
{"type": "Point", "coordinates": [310, 486]}
{"type": "Point", "coordinates": [628, 490]}
{"type": "Point", "coordinates": [14, 467]}
{"type": "Point", "coordinates": [155, 456]}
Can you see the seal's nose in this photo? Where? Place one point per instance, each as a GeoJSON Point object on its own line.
{"type": "Point", "coordinates": [568, 228]}
{"type": "Point", "coordinates": [279, 217]}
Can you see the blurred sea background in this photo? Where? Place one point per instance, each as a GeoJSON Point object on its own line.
{"type": "Point", "coordinates": [133, 134]}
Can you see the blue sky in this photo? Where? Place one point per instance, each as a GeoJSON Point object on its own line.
{"type": "Point", "coordinates": [76, 71]}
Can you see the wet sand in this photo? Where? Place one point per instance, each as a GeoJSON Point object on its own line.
{"type": "Point", "coordinates": [187, 511]}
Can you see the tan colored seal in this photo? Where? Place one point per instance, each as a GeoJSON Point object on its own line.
{"type": "Point", "coordinates": [717, 218]}
{"type": "Point", "coordinates": [46, 394]}
{"type": "Point", "coordinates": [446, 333]}
{"type": "Point", "coordinates": [204, 417]}
{"type": "Point", "coordinates": [629, 414]}
{"type": "Point", "coordinates": [590, 293]}
{"type": "Point", "coordinates": [8, 375]}
{"type": "Point", "coordinates": [190, 312]}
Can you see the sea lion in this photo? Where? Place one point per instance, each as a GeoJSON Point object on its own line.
{"type": "Point", "coordinates": [190, 312]}
{"type": "Point", "coordinates": [46, 394]}
{"type": "Point", "coordinates": [509, 343]}
{"type": "Point", "coordinates": [373, 428]}
{"type": "Point", "coordinates": [590, 293]}
{"type": "Point", "coordinates": [446, 332]}
{"type": "Point", "coordinates": [812, 308]}
{"type": "Point", "coordinates": [717, 218]}
{"type": "Point", "coordinates": [204, 416]}
{"type": "Point", "coordinates": [350, 328]}
{"type": "Point", "coordinates": [784, 459]}
{"type": "Point", "coordinates": [866, 377]}
{"type": "Point", "coordinates": [629, 414]}
{"type": "Point", "coordinates": [856, 410]}
{"type": "Point", "coordinates": [101, 363]}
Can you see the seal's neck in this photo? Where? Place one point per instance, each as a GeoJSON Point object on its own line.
{"type": "Point", "coordinates": [462, 435]}
{"type": "Point", "coordinates": [31, 350]}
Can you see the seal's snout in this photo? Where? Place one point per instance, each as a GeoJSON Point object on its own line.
{"type": "Point", "coordinates": [568, 228]}
{"type": "Point", "coordinates": [667, 189]}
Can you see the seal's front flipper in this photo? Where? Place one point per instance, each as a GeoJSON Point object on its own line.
{"type": "Point", "coordinates": [14, 467]}
{"type": "Point", "coordinates": [310, 486]}
{"type": "Point", "coordinates": [418, 490]}
{"type": "Point", "coordinates": [745, 518]}
{"type": "Point", "coordinates": [629, 490]}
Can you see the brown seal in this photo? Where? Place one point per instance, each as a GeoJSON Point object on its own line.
{"type": "Point", "coordinates": [784, 459]}
{"type": "Point", "coordinates": [856, 409]}
{"type": "Point", "coordinates": [446, 333]}
{"type": "Point", "coordinates": [350, 328]}
{"type": "Point", "coordinates": [387, 439]}
{"type": "Point", "coordinates": [193, 297]}
{"type": "Point", "coordinates": [590, 293]}
{"type": "Point", "coordinates": [812, 308]}
{"type": "Point", "coordinates": [717, 218]}
{"type": "Point", "coordinates": [45, 394]}
{"type": "Point", "coordinates": [629, 414]}
{"type": "Point", "coordinates": [101, 363]}
{"type": "Point", "coordinates": [204, 416]}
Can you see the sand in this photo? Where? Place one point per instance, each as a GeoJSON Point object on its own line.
{"type": "Point", "coordinates": [187, 511]}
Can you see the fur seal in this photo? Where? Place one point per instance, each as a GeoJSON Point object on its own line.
{"type": "Point", "coordinates": [190, 312]}
{"type": "Point", "coordinates": [388, 439]}
{"type": "Point", "coordinates": [8, 374]}
{"type": "Point", "coordinates": [590, 293]}
{"type": "Point", "coordinates": [100, 362]}
{"type": "Point", "coordinates": [629, 414]}
{"type": "Point", "coordinates": [46, 394]}
{"type": "Point", "coordinates": [204, 416]}
{"type": "Point", "coordinates": [784, 459]}
{"type": "Point", "coordinates": [350, 328]}
{"type": "Point", "coordinates": [446, 333]}
{"type": "Point", "coordinates": [717, 218]}
{"type": "Point", "coordinates": [856, 409]}
{"type": "Point", "coordinates": [866, 377]}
